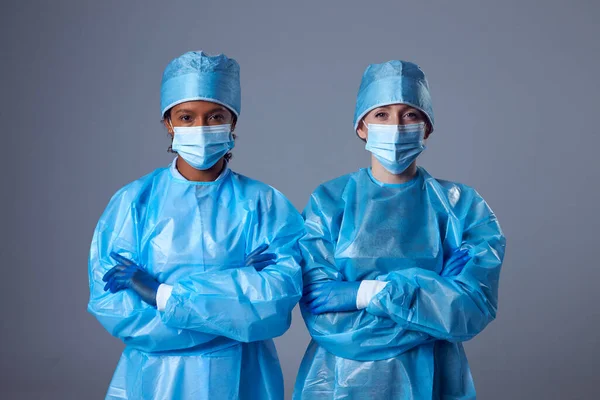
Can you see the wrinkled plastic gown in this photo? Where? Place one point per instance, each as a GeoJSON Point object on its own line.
{"type": "Point", "coordinates": [406, 344]}
{"type": "Point", "coordinates": [213, 341]}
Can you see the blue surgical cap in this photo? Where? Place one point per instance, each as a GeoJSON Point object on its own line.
{"type": "Point", "coordinates": [199, 76]}
{"type": "Point", "coordinates": [393, 82]}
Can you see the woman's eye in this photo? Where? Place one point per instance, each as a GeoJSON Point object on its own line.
{"type": "Point", "coordinates": [380, 115]}
{"type": "Point", "coordinates": [411, 115]}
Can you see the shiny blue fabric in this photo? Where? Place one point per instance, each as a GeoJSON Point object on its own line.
{"type": "Point", "coordinates": [213, 341]}
{"type": "Point", "coordinates": [198, 76]}
{"type": "Point", "coordinates": [406, 343]}
{"type": "Point", "coordinates": [393, 82]}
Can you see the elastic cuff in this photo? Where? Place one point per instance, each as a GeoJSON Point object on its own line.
{"type": "Point", "coordinates": [366, 291]}
{"type": "Point", "coordinates": [162, 296]}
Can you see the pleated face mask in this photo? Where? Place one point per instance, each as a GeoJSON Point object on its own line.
{"type": "Point", "coordinates": [396, 146]}
{"type": "Point", "coordinates": [202, 146]}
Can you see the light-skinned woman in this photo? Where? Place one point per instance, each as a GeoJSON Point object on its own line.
{"type": "Point", "coordinates": [399, 267]}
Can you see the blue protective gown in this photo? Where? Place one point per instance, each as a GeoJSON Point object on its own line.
{"type": "Point", "coordinates": [406, 344]}
{"type": "Point", "coordinates": [213, 341]}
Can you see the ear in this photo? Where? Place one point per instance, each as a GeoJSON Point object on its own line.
{"type": "Point", "coordinates": [168, 125]}
{"type": "Point", "coordinates": [427, 130]}
{"type": "Point", "coordinates": [233, 124]}
{"type": "Point", "coordinates": [362, 130]}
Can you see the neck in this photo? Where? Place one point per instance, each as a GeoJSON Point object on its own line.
{"type": "Point", "coordinates": [192, 174]}
{"type": "Point", "coordinates": [383, 175]}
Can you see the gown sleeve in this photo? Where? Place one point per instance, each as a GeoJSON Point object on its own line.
{"type": "Point", "coordinates": [123, 314]}
{"type": "Point", "coordinates": [242, 303]}
{"type": "Point", "coordinates": [452, 307]}
{"type": "Point", "coordinates": [357, 335]}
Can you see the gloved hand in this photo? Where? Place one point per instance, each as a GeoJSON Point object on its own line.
{"type": "Point", "coordinates": [455, 263]}
{"type": "Point", "coordinates": [127, 275]}
{"type": "Point", "coordinates": [332, 296]}
{"type": "Point", "coordinates": [258, 260]}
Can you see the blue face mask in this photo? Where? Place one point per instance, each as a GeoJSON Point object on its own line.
{"type": "Point", "coordinates": [202, 146]}
{"type": "Point", "coordinates": [396, 146]}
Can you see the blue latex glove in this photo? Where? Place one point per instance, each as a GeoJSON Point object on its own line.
{"type": "Point", "coordinates": [454, 264]}
{"type": "Point", "coordinates": [258, 260]}
{"type": "Point", "coordinates": [127, 275]}
{"type": "Point", "coordinates": [333, 296]}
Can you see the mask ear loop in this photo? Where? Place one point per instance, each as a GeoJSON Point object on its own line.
{"type": "Point", "coordinates": [171, 126]}
{"type": "Point", "coordinates": [233, 124]}
{"type": "Point", "coordinates": [366, 126]}
{"type": "Point", "coordinates": [172, 134]}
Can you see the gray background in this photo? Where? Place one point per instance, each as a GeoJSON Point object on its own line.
{"type": "Point", "coordinates": [515, 88]}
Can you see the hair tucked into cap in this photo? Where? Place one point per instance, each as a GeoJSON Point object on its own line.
{"type": "Point", "coordinates": [393, 82]}
{"type": "Point", "coordinates": [198, 76]}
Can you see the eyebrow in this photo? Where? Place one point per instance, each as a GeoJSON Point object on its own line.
{"type": "Point", "coordinates": [187, 110]}
{"type": "Point", "coordinates": [408, 108]}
